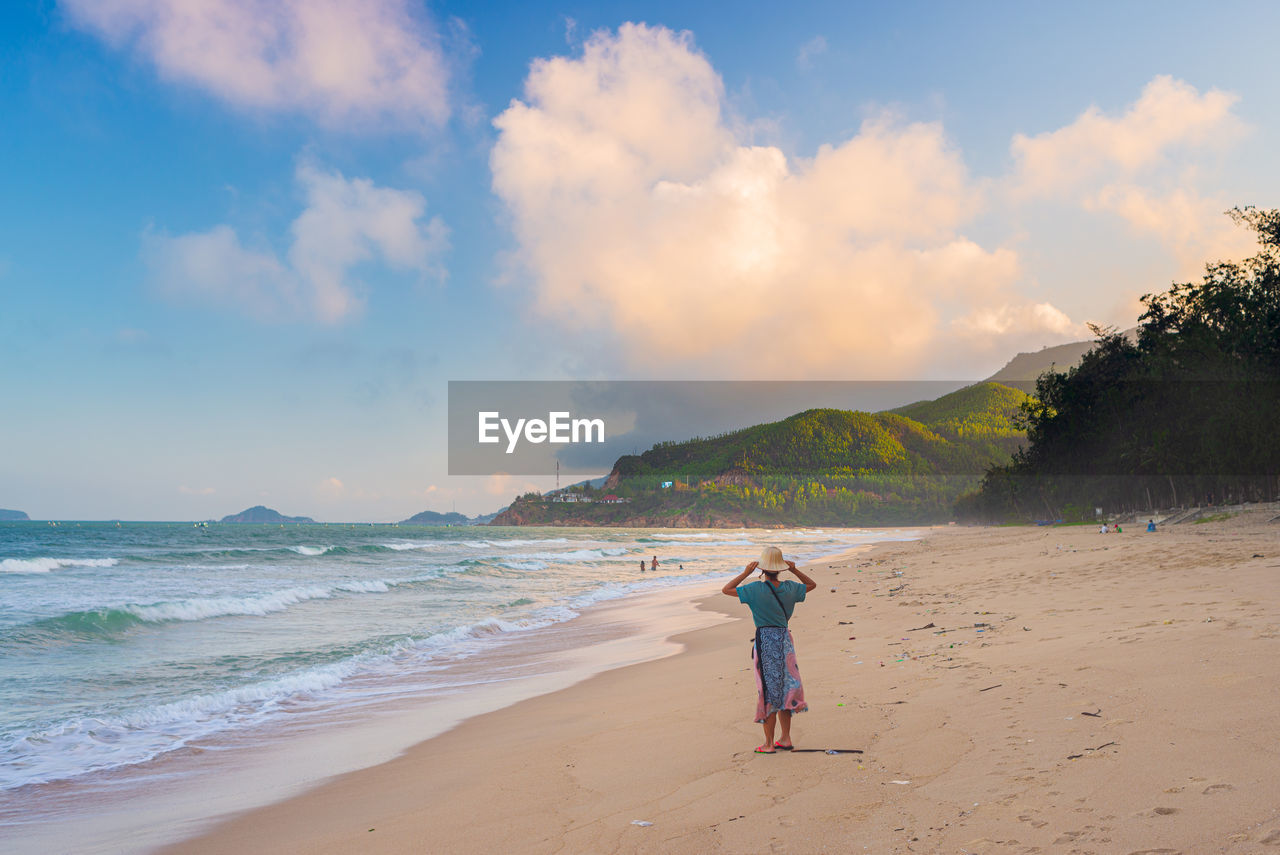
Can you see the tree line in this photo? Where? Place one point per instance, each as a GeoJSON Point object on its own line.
{"type": "Point", "coordinates": [1186, 413]}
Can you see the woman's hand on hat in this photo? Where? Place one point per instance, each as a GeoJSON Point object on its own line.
{"type": "Point", "coordinates": [791, 565]}
{"type": "Point", "coordinates": [753, 565]}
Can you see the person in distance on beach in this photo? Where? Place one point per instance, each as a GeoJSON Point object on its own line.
{"type": "Point", "coordinates": [654, 568]}
{"type": "Point", "coordinates": [779, 692]}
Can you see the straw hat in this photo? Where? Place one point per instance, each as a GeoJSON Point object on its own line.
{"type": "Point", "coordinates": [771, 560]}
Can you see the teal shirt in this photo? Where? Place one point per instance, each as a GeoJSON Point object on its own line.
{"type": "Point", "coordinates": [764, 606]}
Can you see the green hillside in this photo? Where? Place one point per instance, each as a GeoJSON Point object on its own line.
{"type": "Point", "coordinates": [982, 417]}
{"type": "Point", "coordinates": [991, 404]}
{"type": "Point", "coordinates": [818, 467]}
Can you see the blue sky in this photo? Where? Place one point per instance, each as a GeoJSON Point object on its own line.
{"type": "Point", "coordinates": [242, 254]}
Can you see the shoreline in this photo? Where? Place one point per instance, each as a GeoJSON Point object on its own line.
{"type": "Point", "coordinates": [719, 615]}
{"type": "Point", "coordinates": [288, 759]}
{"type": "Point", "coordinates": [184, 792]}
{"type": "Point", "coordinates": [236, 832]}
{"type": "Point", "coordinates": [1107, 693]}
{"type": "Point", "coordinates": [661, 624]}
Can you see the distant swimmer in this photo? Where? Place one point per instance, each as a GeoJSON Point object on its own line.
{"type": "Point", "coordinates": [654, 568]}
{"type": "Point", "coordinates": [641, 565]}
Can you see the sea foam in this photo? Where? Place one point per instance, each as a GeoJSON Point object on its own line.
{"type": "Point", "coordinates": [44, 565]}
{"type": "Point", "coordinates": [81, 746]}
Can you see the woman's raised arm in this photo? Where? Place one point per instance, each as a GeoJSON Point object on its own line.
{"type": "Point", "coordinates": [809, 584]}
{"type": "Point", "coordinates": [731, 589]}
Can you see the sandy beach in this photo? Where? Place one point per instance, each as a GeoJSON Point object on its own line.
{"type": "Point", "coordinates": [988, 690]}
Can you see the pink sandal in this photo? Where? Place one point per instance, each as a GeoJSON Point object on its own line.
{"type": "Point", "coordinates": [764, 749]}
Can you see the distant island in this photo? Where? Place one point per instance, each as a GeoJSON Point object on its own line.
{"type": "Point", "coordinates": [436, 518]}
{"type": "Point", "coordinates": [13, 516]}
{"type": "Point", "coordinates": [451, 518]}
{"type": "Point", "coordinates": [260, 514]}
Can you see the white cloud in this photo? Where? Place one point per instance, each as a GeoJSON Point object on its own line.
{"type": "Point", "coordinates": [1194, 229]}
{"type": "Point", "coordinates": [333, 490]}
{"type": "Point", "coordinates": [214, 267]}
{"type": "Point", "coordinates": [1023, 326]}
{"type": "Point", "coordinates": [351, 221]}
{"type": "Point", "coordinates": [346, 222]}
{"type": "Point", "coordinates": [503, 485]}
{"type": "Point", "coordinates": [344, 63]}
{"type": "Point", "coordinates": [1170, 114]}
{"type": "Point", "coordinates": [1141, 166]}
{"type": "Point", "coordinates": [638, 212]}
{"type": "Point", "coordinates": [816, 46]}
{"type": "Point", "coordinates": [196, 491]}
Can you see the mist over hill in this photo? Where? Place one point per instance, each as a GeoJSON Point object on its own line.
{"type": "Point", "coordinates": [1022, 371]}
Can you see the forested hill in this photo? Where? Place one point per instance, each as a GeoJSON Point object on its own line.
{"type": "Point", "coordinates": [962, 432]}
{"type": "Point", "coordinates": [982, 407]}
{"type": "Point", "coordinates": [818, 467]}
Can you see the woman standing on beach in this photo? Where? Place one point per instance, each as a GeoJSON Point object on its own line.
{"type": "Point", "coordinates": [780, 693]}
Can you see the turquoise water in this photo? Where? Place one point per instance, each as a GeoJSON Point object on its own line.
{"type": "Point", "coordinates": [122, 643]}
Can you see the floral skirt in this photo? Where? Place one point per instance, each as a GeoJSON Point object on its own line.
{"type": "Point", "coordinates": [778, 684]}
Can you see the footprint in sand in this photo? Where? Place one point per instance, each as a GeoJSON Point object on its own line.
{"type": "Point", "coordinates": [1157, 852]}
{"type": "Point", "coordinates": [1217, 788]}
{"type": "Point", "coordinates": [1163, 811]}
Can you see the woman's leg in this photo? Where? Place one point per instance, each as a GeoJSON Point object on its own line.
{"type": "Point", "coordinates": [769, 723]}
{"type": "Point", "coordinates": [784, 718]}
{"type": "Point", "coordinates": [771, 673]}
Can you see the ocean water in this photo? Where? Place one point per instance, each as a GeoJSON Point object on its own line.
{"type": "Point", "coordinates": [121, 644]}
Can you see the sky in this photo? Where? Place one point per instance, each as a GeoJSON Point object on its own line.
{"type": "Point", "coordinates": [246, 244]}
